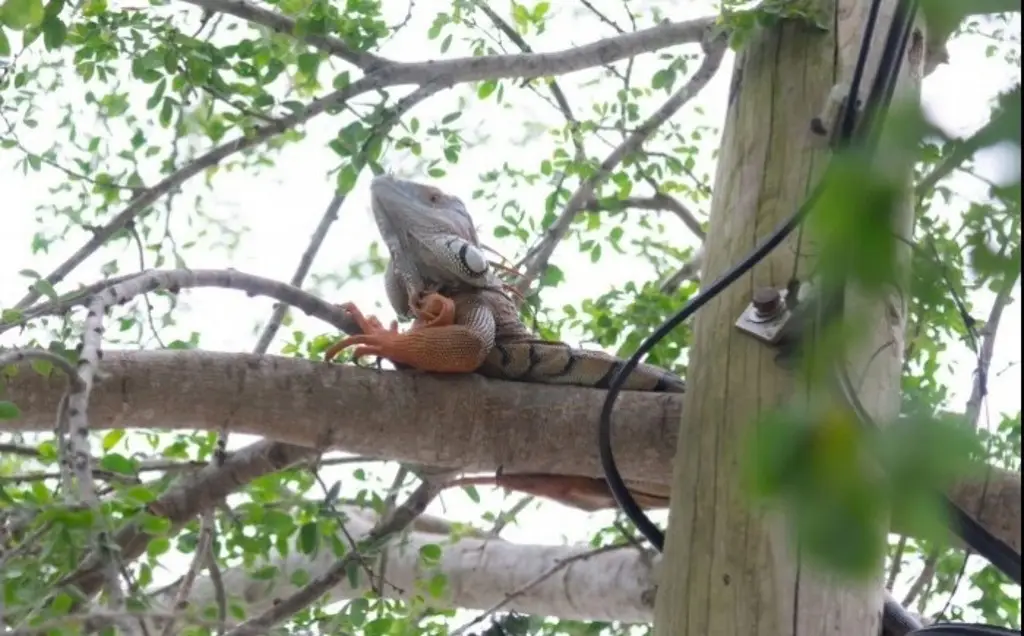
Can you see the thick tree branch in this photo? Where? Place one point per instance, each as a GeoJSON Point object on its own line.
{"type": "Point", "coordinates": [571, 582]}
{"type": "Point", "coordinates": [193, 496]}
{"type": "Point", "coordinates": [467, 422]}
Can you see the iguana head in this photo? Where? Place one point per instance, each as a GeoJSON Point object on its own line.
{"type": "Point", "coordinates": [430, 236]}
{"type": "Point", "coordinates": [405, 208]}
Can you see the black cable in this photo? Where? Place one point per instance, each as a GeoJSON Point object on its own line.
{"type": "Point", "coordinates": [617, 486]}
{"type": "Point", "coordinates": [965, 629]}
{"type": "Point", "coordinates": [975, 535]}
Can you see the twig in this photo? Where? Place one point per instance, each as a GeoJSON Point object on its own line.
{"type": "Point", "coordinates": [200, 556]}
{"type": "Point", "coordinates": [927, 572]}
{"type": "Point", "coordinates": [964, 149]}
{"type": "Point", "coordinates": [556, 90]}
{"type": "Point", "coordinates": [381, 532]}
{"type": "Point", "coordinates": [979, 387]}
{"type": "Point", "coordinates": [658, 202]}
{"type": "Point", "coordinates": [286, 26]}
{"type": "Point", "coordinates": [537, 260]}
{"type": "Point", "coordinates": [437, 73]}
{"type": "Point", "coordinates": [690, 271]}
{"type": "Point", "coordinates": [897, 562]}
{"type": "Point", "coordinates": [560, 565]}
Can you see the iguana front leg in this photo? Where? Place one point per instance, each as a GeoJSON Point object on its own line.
{"type": "Point", "coordinates": [434, 343]}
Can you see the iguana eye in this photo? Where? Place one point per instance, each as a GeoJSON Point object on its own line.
{"type": "Point", "coordinates": [434, 196]}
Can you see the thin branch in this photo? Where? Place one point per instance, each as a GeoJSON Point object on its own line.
{"type": "Point", "coordinates": [330, 215]}
{"type": "Point", "coordinates": [556, 90]}
{"type": "Point", "coordinates": [388, 526]}
{"type": "Point", "coordinates": [690, 271]}
{"type": "Point", "coordinates": [200, 556]}
{"type": "Point", "coordinates": [286, 26]}
{"type": "Point", "coordinates": [436, 73]}
{"type": "Point", "coordinates": [964, 149]}
{"type": "Point", "coordinates": [979, 387]}
{"type": "Point", "coordinates": [560, 565]}
{"type": "Point", "coordinates": [927, 572]}
{"type": "Point", "coordinates": [602, 17]}
{"type": "Point", "coordinates": [537, 260]}
{"type": "Point", "coordinates": [201, 492]}
{"type": "Point", "coordinates": [658, 202]}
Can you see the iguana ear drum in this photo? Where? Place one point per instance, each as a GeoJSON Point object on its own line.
{"type": "Point", "coordinates": [470, 259]}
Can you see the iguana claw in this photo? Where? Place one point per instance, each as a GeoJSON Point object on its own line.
{"type": "Point", "coordinates": [432, 310]}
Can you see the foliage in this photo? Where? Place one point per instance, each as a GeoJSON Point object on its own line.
{"type": "Point", "coordinates": [119, 107]}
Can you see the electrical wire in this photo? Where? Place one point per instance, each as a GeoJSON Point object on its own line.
{"type": "Point", "coordinates": [997, 552]}
{"type": "Point", "coordinates": [975, 535]}
{"type": "Point", "coordinates": [965, 629]}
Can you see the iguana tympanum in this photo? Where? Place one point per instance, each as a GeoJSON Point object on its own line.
{"type": "Point", "coordinates": [466, 323]}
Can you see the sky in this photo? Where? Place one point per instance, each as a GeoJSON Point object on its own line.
{"type": "Point", "coordinates": [280, 206]}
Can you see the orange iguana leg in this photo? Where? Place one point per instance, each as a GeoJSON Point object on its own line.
{"type": "Point", "coordinates": [432, 346]}
{"type": "Point", "coordinates": [433, 310]}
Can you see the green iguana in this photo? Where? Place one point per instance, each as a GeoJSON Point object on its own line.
{"type": "Point", "coordinates": [466, 323]}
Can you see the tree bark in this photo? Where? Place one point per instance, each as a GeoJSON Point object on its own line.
{"type": "Point", "coordinates": [731, 570]}
{"type": "Point", "coordinates": [471, 422]}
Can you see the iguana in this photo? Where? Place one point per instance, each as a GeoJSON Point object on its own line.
{"type": "Point", "coordinates": [466, 323]}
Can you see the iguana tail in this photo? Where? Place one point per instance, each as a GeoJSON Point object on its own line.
{"type": "Point", "coordinates": [544, 362]}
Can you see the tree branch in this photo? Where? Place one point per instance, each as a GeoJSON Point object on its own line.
{"type": "Point", "coordinates": [437, 74]}
{"type": "Point", "coordinates": [658, 202]}
{"type": "Point", "coordinates": [537, 260]}
{"type": "Point", "coordinates": [467, 421]}
{"type": "Point", "coordinates": [286, 26]}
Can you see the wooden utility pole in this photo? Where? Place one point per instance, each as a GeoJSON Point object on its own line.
{"type": "Point", "coordinates": [728, 569]}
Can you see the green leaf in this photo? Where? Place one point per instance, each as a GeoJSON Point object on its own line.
{"type": "Point", "coordinates": [20, 14]}
{"type": "Point", "coordinates": [155, 525]}
{"type": "Point", "coordinates": [158, 546]}
{"type": "Point", "coordinates": [309, 537]}
{"type": "Point", "coordinates": [265, 573]}
{"type": "Point", "coordinates": [61, 603]}
{"type": "Point", "coordinates": [438, 585]}
{"type": "Point", "coordinates": [486, 88]}
{"type": "Point", "coordinates": [141, 494]}
{"type": "Point", "coordinates": [347, 177]}
{"type": "Point", "coordinates": [430, 553]}
{"type": "Point", "coordinates": [117, 463]}
{"type": "Point", "coordinates": [8, 410]}
{"type": "Point", "coordinates": [309, 63]}
{"type": "Point", "coordinates": [357, 610]}
{"type": "Point", "coordinates": [111, 439]}
{"type": "Point", "coordinates": [552, 276]}
{"type": "Point", "coordinates": [5, 45]}
{"type": "Point", "coordinates": [54, 33]}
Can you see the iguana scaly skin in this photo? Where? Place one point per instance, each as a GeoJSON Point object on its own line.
{"type": "Point", "coordinates": [465, 323]}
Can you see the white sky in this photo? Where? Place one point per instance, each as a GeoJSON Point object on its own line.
{"type": "Point", "coordinates": [281, 206]}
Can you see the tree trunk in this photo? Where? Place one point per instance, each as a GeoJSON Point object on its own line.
{"type": "Point", "coordinates": [730, 570]}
